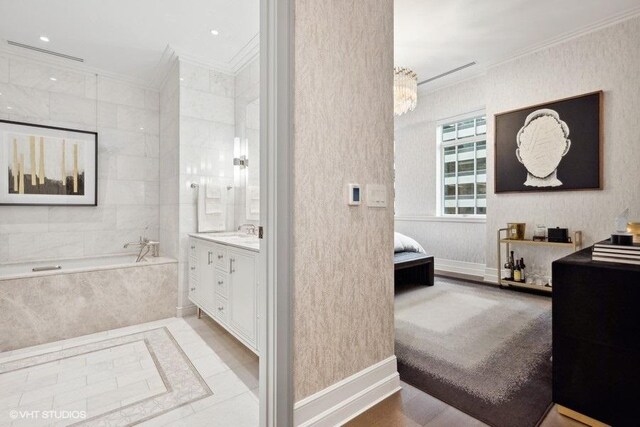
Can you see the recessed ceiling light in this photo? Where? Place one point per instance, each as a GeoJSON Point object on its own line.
{"type": "Point", "coordinates": [9, 108]}
{"type": "Point", "coordinates": [53, 79]}
{"type": "Point", "coordinates": [215, 32]}
{"type": "Point", "coordinates": [44, 39]}
{"type": "Point", "coordinates": [141, 128]}
{"type": "Point", "coordinates": [181, 79]}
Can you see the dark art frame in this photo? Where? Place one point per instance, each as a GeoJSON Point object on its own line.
{"type": "Point", "coordinates": [503, 144]}
{"type": "Point", "coordinates": [95, 138]}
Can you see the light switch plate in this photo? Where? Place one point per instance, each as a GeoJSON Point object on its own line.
{"type": "Point", "coordinates": [376, 196]}
{"type": "Point", "coordinates": [354, 194]}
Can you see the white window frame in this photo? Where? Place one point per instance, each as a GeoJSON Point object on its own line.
{"type": "Point", "coordinates": [441, 145]}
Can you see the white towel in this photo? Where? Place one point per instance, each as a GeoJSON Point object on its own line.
{"type": "Point", "coordinates": [211, 211]}
{"type": "Point", "coordinates": [213, 191]}
{"type": "Point", "coordinates": [214, 200]}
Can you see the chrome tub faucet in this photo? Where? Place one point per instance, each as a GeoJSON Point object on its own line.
{"type": "Point", "coordinates": [145, 246]}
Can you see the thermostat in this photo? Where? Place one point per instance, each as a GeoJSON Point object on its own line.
{"type": "Point", "coordinates": [354, 194]}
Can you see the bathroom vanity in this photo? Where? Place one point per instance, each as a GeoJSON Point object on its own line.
{"type": "Point", "coordinates": [223, 281]}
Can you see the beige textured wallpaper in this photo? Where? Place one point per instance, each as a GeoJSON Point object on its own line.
{"type": "Point", "coordinates": [343, 267]}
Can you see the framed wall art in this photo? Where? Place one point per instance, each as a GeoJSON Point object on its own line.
{"type": "Point", "coordinates": [556, 146]}
{"type": "Point", "coordinates": [45, 165]}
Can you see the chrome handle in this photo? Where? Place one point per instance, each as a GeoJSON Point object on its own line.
{"type": "Point", "coordinates": [193, 247]}
{"type": "Point", "coordinates": [231, 269]}
{"type": "Point", "coordinates": [220, 256]}
{"type": "Point", "coordinates": [209, 253]}
{"type": "Point", "coordinates": [193, 268]}
{"type": "Point", "coordinates": [47, 268]}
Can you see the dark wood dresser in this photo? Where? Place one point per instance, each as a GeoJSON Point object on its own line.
{"type": "Point", "coordinates": [596, 338]}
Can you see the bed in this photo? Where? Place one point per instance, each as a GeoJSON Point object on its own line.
{"type": "Point", "coordinates": [411, 262]}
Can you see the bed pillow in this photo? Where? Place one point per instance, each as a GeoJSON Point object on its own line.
{"type": "Point", "coordinates": [403, 243]}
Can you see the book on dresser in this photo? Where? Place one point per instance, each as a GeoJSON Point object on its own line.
{"type": "Point", "coordinates": [605, 251]}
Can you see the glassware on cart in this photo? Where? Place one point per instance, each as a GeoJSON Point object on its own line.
{"type": "Point", "coordinates": [540, 233]}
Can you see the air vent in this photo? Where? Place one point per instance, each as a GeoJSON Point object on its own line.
{"type": "Point", "coordinates": [48, 52]}
{"type": "Point", "coordinates": [446, 73]}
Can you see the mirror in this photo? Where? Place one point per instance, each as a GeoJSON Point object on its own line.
{"type": "Point", "coordinates": [252, 137]}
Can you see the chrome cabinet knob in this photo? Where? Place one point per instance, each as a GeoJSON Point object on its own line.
{"type": "Point", "coordinates": [220, 308]}
{"type": "Point", "coordinates": [220, 256]}
{"type": "Point", "coordinates": [193, 289]}
{"type": "Point", "coordinates": [220, 282]}
{"type": "Point", "coordinates": [193, 268]}
{"type": "Point", "coordinates": [193, 247]}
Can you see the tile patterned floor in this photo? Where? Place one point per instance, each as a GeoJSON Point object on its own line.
{"type": "Point", "coordinates": [171, 372]}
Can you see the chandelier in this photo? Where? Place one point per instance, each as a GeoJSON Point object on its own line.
{"type": "Point", "coordinates": [405, 90]}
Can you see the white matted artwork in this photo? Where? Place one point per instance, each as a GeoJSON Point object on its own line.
{"type": "Point", "coordinates": [46, 165]}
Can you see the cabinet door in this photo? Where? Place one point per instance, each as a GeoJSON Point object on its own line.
{"type": "Point", "coordinates": [242, 294]}
{"type": "Point", "coordinates": [205, 289]}
{"type": "Point", "coordinates": [194, 271]}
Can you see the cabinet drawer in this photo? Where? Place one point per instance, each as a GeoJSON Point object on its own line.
{"type": "Point", "coordinates": [221, 283]}
{"type": "Point", "coordinates": [220, 257]}
{"type": "Point", "coordinates": [221, 309]}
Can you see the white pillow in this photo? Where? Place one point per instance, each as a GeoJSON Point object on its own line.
{"type": "Point", "coordinates": [403, 243]}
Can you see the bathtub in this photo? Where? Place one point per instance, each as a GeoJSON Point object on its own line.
{"type": "Point", "coordinates": [75, 265]}
{"type": "Point", "coordinates": [82, 296]}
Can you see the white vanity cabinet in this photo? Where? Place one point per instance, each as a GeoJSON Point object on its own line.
{"type": "Point", "coordinates": [222, 283]}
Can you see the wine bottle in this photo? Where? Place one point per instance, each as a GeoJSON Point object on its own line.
{"type": "Point", "coordinates": [523, 276]}
{"type": "Point", "coordinates": [512, 265]}
{"type": "Point", "coordinates": [517, 273]}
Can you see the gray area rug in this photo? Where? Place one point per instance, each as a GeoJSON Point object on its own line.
{"type": "Point", "coordinates": [483, 350]}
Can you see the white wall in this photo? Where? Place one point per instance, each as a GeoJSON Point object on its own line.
{"type": "Point", "coordinates": [608, 60]}
{"type": "Point", "coordinates": [128, 160]}
{"type": "Point", "coordinates": [416, 163]}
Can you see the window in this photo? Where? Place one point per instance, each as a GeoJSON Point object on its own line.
{"type": "Point", "coordinates": [464, 166]}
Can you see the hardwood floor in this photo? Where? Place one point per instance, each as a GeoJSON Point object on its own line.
{"type": "Point", "coordinates": [414, 408]}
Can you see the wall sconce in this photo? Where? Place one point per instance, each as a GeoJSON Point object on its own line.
{"type": "Point", "coordinates": [241, 161]}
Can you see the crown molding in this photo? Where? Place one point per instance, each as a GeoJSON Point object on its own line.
{"type": "Point", "coordinates": [546, 44]}
{"type": "Point", "coordinates": [163, 69]}
{"type": "Point", "coordinates": [570, 35]}
{"type": "Point", "coordinates": [219, 66]}
{"type": "Point", "coordinates": [61, 63]}
{"type": "Point", "coordinates": [238, 62]}
{"type": "Point", "coordinates": [246, 54]}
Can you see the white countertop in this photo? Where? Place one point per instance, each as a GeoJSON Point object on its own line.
{"type": "Point", "coordinates": [231, 238]}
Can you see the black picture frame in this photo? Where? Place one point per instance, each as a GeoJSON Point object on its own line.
{"type": "Point", "coordinates": [572, 137]}
{"type": "Point", "coordinates": [90, 193]}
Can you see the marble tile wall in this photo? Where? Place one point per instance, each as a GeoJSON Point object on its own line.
{"type": "Point", "coordinates": [207, 129]}
{"type": "Point", "coordinates": [126, 118]}
{"type": "Point", "coordinates": [168, 201]}
{"type": "Point", "coordinates": [42, 309]}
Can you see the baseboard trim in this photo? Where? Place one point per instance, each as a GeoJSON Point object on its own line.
{"type": "Point", "coordinates": [186, 310]}
{"type": "Point", "coordinates": [444, 266]}
{"type": "Point", "coordinates": [491, 275]}
{"type": "Point", "coordinates": [584, 419]}
{"type": "Point", "coordinates": [346, 399]}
